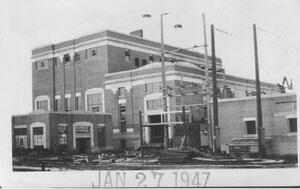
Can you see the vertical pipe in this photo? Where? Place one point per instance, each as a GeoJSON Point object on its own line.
{"type": "Point", "coordinates": [258, 98]}
{"type": "Point", "coordinates": [215, 92]}
{"type": "Point", "coordinates": [74, 74]}
{"type": "Point", "coordinates": [53, 75]}
{"type": "Point", "coordinates": [141, 134]}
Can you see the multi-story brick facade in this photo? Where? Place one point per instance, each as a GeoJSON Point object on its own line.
{"type": "Point", "coordinates": [107, 72]}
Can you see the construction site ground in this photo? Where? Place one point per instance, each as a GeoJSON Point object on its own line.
{"type": "Point", "coordinates": [133, 161]}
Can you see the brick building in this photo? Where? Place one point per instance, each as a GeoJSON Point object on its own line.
{"type": "Point", "coordinates": [237, 119]}
{"type": "Point", "coordinates": [104, 76]}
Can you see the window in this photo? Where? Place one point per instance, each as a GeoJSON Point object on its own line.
{"type": "Point", "coordinates": [123, 143]}
{"type": "Point", "coordinates": [153, 87]}
{"type": "Point", "coordinates": [41, 65]}
{"type": "Point", "coordinates": [67, 58]}
{"type": "Point", "coordinates": [86, 54]}
{"type": "Point", "coordinates": [154, 119]}
{"type": "Point", "coordinates": [151, 58]}
{"type": "Point", "coordinates": [250, 127]}
{"type": "Point", "coordinates": [144, 62]}
{"type": "Point", "coordinates": [38, 137]}
{"type": "Point", "coordinates": [57, 105]}
{"type": "Point", "coordinates": [67, 104]}
{"type": "Point", "coordinates": [122, 109]}
{"type": "Point", "coordinates": [93, 52]}
{"type": "Point", "coordinates": [62, 135]}
{"type": "Point", "coordinates": [121, 91]}
{"type": "Point", "coordinates": [94, 102]}
{"type": "Point", "coordinates": [137, 62]}
{"type": "Point", "coordinates": [77, 102]}
{"type": "Point", "coordinates": [20, 137]}
{"type": "Point", "coordinates": [42, 105]}
{"type": "Point", "coordinates": [77, 56]}
{"type": "Point", "coordinates": [292, 125]}
{"type": "Point", "coordinates": [127, 55]}
{"type": "Point", "coordinates": [83, 129]}
{"type": "Point", "coordinates": [154, 104]}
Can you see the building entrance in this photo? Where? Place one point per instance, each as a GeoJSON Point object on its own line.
{"type": "Point", "coordinates": [157, 134]}
{"type": "Point", "coordinates": [83, 145]}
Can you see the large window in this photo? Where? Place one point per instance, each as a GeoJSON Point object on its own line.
{"type": "Point", "coordinates": [154, 104]}
{"type": "Point", "coordinates": [127, 55]}
{"type": "Point", "coordinates": [137, 62]}
{"type": "Point", "coordinates": [77, 102]}
{"type": "Point", "coordinates": [250, 127]}
{"type": "Point", "coordinates": [57, 105]}
{"type": "Point", "coordinates": [62, 135]}
{"type": "Point", "coordinates": [122, 109]}
{"type": "Point", "coordinates": [121, 92]}
{"type": "Point", "coordinates": [42, 105]}
{"type": "Point", "coordinates": [153, 87]}
{"type": "Point", "coordinates": [67, 104]}
{"type": "Point", "coordinates": [20, 137]}
{"type": "Point", "coordinates": [38, 137]}
{"type": "Point", "coordinates": [94, 102]}
{"type": "Point", "coordinates": [292, 125]}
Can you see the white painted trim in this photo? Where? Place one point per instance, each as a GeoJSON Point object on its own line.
{"type": "Point", "coordinates": [38, 124]}
{"type": "Point", "coordinates": [62, 125]}
{"type": "Point", "coordinates": [129, 130]}
{"type": "Point", "coordinates": [101, 124]}
{"type": "Point", "coordinates": [20, 126]}
{"type": "Point", "coordinates": [42, 98]}
{"type": "Point", "coordinates": [68, 95]}
{"type": "Point", "coordinates": [249, 119]}
{"type": "Point", "coordinates": [116, 130]}
{"type": "Point", "coordinates": [78, 94]}
{"type": "Point", "coordinates": [291, 116]}
{"type": "Point", "coordinates": [91, 132]}
{"type": "Point", "coordinates": [292, 134]}
{"type": "Point", "coordinates": [57, 97]}
{"type": "Point", "coordinates": [95, 91]}
{"type": "Point", "coordinates": [122, 101]}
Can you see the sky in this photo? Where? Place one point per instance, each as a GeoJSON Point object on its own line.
{"type": "Point", "coordinates": [26, 24]}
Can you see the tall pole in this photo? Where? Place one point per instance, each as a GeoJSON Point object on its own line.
{"type": "Point", "coordinates": [185, 142]}
{"type": "Point", "coordinates": [163, 73]}
{"type": "Point", "coordinates": [141, 134]}
{"type": "Point", "coordinates": [207, 85]}
{"type": "Point", "coordinates": [215, 94]}
{"type": "Point", "coordinates": [260, 128]}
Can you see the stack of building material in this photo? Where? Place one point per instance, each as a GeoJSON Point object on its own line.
{"type": "Point", "coordinates": [174, 156]}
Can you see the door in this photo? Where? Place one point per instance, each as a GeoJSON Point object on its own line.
{"type": "Point", "coordinates": [83, 145]}
{"type": "Point", "coordinates": [157, 134]}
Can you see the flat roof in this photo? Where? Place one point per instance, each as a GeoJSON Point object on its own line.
{"type": "Point", "coordinates": [118, 35]}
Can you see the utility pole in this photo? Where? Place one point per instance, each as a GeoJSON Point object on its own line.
{"type": "Point", "coordinates": [185, 142]}
{"type": "Point", "coordinates": [261, 131]}
{"type": "Point", "coordinates": [215, 95]}
{"type": "Point", "coordinates": [207, 84]}
{"type": "Point", "coordinates": [141, 134]}
{"type": "Point", "coordinates": [164, 88]}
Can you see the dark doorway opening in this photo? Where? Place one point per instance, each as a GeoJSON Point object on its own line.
{"type": "Point", "coordinates": [83, 145]}
{"type": "Point", "coordinates": [157, 134]}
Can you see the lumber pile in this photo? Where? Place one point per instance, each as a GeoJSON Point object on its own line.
{"type": "Point", "coordinates": [174, 156]}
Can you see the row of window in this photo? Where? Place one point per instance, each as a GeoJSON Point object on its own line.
{"type": "Point", "coordinates": [251, 126]}
{"type": "Point", "coordinates": [94, 103]}
{"type": "Point", "coordinates": [88, 53]}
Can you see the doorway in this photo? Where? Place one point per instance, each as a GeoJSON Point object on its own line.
{"type": "Point", "coordinates": [83, 145]}
{"type": "Point", "coordinates": [157, 134]}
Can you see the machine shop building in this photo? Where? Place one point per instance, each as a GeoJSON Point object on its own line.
{"type": "Point", "coordinates": [87, 92]}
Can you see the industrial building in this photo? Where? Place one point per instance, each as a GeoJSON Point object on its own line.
{"type": "Point", "coordinates": [87, 94]}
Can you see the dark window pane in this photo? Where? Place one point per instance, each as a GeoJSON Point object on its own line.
{"type": "Point", "coordinates": [293, 125]}
{"type": "Point", "coordinates": [251, 128]}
